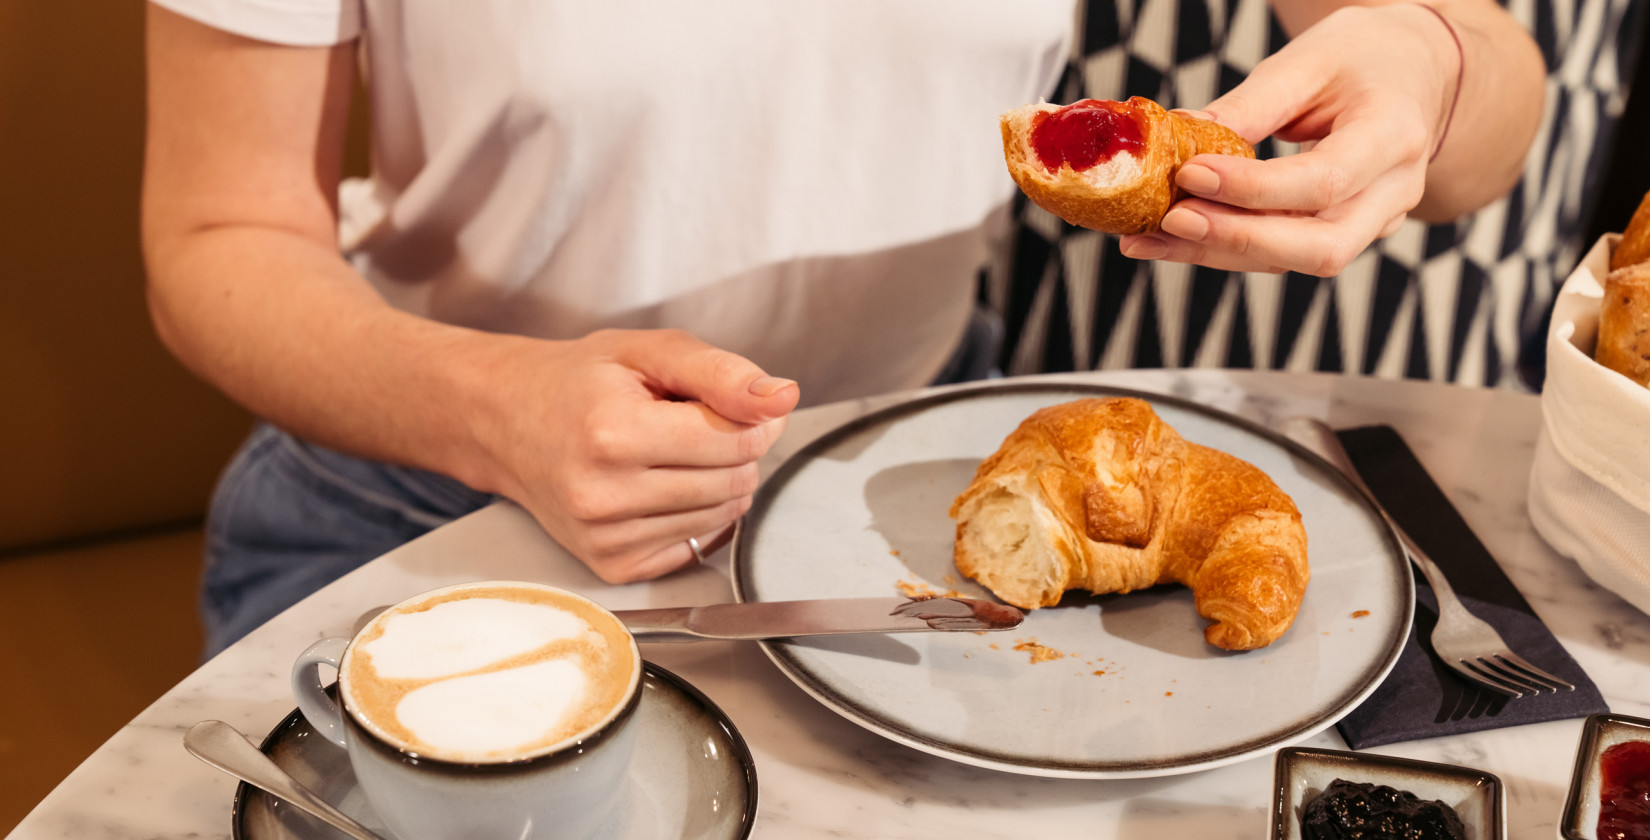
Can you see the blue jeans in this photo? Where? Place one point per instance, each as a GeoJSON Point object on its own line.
{"type": "Point", "coordinates": [289, 517]}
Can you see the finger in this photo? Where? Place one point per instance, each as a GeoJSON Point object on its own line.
{"type": "Point", "coordinates": [1160, 246]}
{"type": "Point", "coordinates": [1195, 233]}
{"type": "Point", "coordinates": [1269, 98]}
{"type": "Point", "coordinates": [735, 387]}
{"type": "Point", "coordinates": [708, 439]}
{"type": "Point", "coordinates": [1307, 244]}
{"type": "Point", "coordinates": [1340, 166]}
{"type": "Point", "coordinates": [1393, 225]}
{"type": "Point", "coordinates": [1216, 236]}
{"type": "Point", "coordinates": [606, 497]}
{"type": "Point", "coordinates": [657, 433]}
{"type": "Point", "coordinates": [711, 542]}
{"type": "Point", "coordinates": [714, 543]}
{"type": "Point", "coordinates": [1195, 114]}
{"type": "Point", "coordinates": [644, 548]}
{"type": "Point", "coordinates": [657, 564]}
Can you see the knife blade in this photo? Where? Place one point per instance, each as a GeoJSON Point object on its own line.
{"type": "Point", "coordinates": [819, 617]}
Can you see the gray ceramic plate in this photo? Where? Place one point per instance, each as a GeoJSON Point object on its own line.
{"type": "Point", "coordinates": [1301, 774]}
{"type": "Point", "coordinates": [1135, 691]}
{"type": "Point", "coordinates": [692, 777]}
{"type": "Point", "coordinates": [1600, 733]}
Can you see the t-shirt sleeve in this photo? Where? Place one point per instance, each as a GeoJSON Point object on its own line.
{"type": "Point", "coordinates": [298, 23]}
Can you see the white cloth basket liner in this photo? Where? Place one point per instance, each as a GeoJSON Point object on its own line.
{"type": "Point", "coordinates": [1589, 494]}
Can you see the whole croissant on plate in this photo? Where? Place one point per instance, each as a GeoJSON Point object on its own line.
{"type": "Point", "coordinates": [1107, 165]}
{"type": "Point", "coordinates": [1102, 495]}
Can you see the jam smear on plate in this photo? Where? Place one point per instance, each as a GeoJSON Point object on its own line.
{"type": "Point", "coordinates": [1363, 811]}
{"type": "Point", "coordinates": [1624, 792]}
{"type": "Point", "coordinates": [1086, 134]}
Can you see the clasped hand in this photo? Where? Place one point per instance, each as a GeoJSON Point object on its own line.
{"type": "Point", "coordinates": [624, 443]}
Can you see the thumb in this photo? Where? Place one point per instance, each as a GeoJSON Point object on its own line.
{"type": "Point", "coordinates": [1267, 100]}
{"type": "Point", "coordinates": [729, 384]}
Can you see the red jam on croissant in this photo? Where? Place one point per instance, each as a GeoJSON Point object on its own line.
{"type": "Point", "coordinates": [1086, 134]}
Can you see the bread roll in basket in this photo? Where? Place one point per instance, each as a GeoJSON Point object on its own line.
{"type": "Point", "coordinates": [1624, 311]}
{"type": "Point", "coordinates": [1589, 493]}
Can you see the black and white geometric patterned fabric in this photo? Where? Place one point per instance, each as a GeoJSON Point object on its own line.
{"type": "Point", "coordinates": [1447, 302]}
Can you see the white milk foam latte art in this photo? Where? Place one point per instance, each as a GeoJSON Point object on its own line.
{"type": "Point", "coordinates": [489, 673]}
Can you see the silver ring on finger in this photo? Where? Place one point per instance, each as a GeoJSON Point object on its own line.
{"type": "Point", "coordinates": [693, 546]}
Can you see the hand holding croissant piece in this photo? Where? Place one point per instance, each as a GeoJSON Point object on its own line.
{"type": "Point", "coordinates": [1106, 165]}
{"type": "Point", "coordinates": [1102, 495]}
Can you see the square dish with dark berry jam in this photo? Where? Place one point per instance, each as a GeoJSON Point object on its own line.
{"type": "Point", "coordinates": [1610, 787]}
{"type": "Point", "coordinates": [1331, 794]}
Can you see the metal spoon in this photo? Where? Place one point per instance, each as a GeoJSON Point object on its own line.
{"type": "Point", "coordinates": [222, 746]}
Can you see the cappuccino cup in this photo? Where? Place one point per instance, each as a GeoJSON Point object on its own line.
{"type": "Point", "coordinates": [490, 709]}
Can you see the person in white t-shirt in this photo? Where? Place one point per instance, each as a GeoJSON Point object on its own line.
{"type": "Point", "coordinates": [606, 248]}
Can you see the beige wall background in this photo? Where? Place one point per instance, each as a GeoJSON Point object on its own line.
{"type": "Point", "coordinates": [108, 447]}
{"type": "Point", "coordinates": [100, 429]}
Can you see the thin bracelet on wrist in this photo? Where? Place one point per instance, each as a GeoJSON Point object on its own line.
{"type": "Point", "coordinates": [1460, 76]}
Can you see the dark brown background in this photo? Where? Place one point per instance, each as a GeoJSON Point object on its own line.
{"type": "Point", "coordinates": [108, 448]}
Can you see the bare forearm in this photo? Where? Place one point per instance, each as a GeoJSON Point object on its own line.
{"type": "Point", "coordinates": [1499, 106]}
{"type": "Point", "coordinates": [246, 283]}
{"type": "Point", "coordinates": [284, 326]}
{"type": "Point", "coordinates": [1496, 115]}
{"type": "Point", "coordinates": [621, 443]}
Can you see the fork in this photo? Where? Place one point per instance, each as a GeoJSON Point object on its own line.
{"type": "Point", "coordinates": [1466, 643]}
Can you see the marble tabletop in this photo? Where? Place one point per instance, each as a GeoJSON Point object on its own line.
{"type": "Point", "coordinates": [823, 776]}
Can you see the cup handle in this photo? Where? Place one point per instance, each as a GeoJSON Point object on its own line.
{"type": "Point", "coordinates": [322, 713]}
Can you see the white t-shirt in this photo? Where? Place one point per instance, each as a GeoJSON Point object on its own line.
{"type": "Point", "coordinates": [810, 183]}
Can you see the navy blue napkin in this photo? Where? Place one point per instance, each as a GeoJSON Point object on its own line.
{"type": "Point", "coordinates": [1423, 698]}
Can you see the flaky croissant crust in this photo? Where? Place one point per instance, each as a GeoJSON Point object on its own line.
{"type": "Point", "coordinates": [1101, 495]}
{"type": "Point", "coordinates": [1136, 206]}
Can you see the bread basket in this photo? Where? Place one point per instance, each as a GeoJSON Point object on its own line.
{"type": "Point", "coordinates": [1589, 495]}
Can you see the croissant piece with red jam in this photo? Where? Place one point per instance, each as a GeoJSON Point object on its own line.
{"type": "Point", "coordinates": [1107, 165]}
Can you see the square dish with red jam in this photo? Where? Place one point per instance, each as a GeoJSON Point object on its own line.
{"type": "Point", "coordinates": [1610, 788]}
{"type": "Point", "coordinates": [1324, 794]}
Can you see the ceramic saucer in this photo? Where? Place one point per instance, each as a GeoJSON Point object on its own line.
{"type": "Point", "coordinates": [691, 779]}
